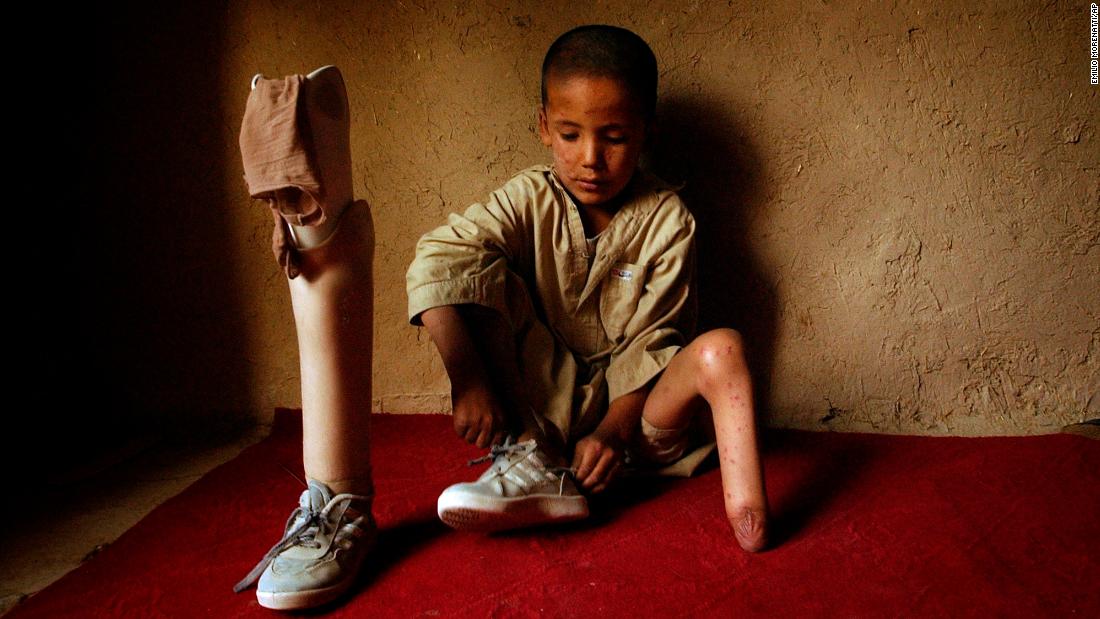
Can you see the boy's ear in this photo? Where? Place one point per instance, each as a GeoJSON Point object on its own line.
{"type": "Point", "coordinates": [544, 127]}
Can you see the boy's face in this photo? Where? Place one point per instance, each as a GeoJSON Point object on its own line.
{"type": "Point", "coordinates": [596, 132]}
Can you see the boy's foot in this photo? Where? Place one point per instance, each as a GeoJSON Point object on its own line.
{"type": "Point", "coordinates": [325, 542]}
{"type": "Point", "coordinates": [518, 490]}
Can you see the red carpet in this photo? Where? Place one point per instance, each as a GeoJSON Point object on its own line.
{"type": "Point", "coordinates": [871, 525]}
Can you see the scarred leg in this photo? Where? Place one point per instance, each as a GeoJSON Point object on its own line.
{"type": "Point", "coordinates": [713, 368]}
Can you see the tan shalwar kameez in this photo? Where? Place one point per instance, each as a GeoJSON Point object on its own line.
{"type": "Point", "coordinates": [588, 329]}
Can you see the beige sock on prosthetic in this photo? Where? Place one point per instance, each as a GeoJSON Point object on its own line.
{"type": "Point", "coordinates": [327, 114]}
{"type": "Point", "coordinates": [296, 149]}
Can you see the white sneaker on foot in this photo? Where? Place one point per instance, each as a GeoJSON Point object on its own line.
{"type": "Point", "coordinates": [518, 490]}
{"type": "Point", "coordinates": [323, 547]}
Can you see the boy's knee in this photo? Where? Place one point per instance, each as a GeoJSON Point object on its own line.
{"type": "Point", "coordinates": [720, 352]}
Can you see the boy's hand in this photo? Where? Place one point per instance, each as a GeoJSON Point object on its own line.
{"type": "Point", "coordinates": [597, 458]}
{"type": "Point", "coordinates": [478, 417]}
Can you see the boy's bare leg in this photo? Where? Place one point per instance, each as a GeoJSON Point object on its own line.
{"type": "Point", "coordinates": [525, 485]}
{"type": "Point", "coordinates": [480, 357]}
{"type": "Point", "coordinates": [713, 367]}
{"type": "Point", "coordinates": [334, 316]}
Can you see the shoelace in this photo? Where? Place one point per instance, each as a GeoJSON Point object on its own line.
{"type": "Point", "coordinates": [305, 533]}
{"type": "Point", "coordinates": [562, 471]}
{"type": "Point", "coordinates": [510, 447]}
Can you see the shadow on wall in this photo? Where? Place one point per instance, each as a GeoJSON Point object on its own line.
{"type": "Point", "coordinates": [703, 144]}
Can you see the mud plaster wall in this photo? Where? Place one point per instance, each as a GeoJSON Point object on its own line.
{"type": "Point", "coordinates": [897, 204]}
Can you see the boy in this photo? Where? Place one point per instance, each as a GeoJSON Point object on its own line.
{"type": "Point", "coordinates": [562, 308]}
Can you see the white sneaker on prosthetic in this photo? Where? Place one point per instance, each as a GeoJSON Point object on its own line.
{"type": "Point", "coordinates": [518, 490]}
{"type": "Point", "coordinates": [322, 550]}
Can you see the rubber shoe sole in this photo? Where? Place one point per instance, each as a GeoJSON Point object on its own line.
{"type": "Point", "coordinates": [467, 511]}
{"type": "Point", "coordinates": [298, 600]}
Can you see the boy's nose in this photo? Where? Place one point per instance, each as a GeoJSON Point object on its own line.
{"type": "Point", "coordinates": [592, 155]}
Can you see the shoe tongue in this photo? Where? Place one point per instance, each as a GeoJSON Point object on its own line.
{"type": "Point", "coordinates": [317, 496]}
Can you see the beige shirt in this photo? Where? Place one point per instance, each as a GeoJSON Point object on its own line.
{"type": "Point", "coordinates": [589, 328]}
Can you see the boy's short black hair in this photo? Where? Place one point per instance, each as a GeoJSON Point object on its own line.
{"type": "Point", "coordinates": [605, 51]}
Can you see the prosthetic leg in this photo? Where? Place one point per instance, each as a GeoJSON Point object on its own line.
{"type": "Point", "coordinates": [295, 144]}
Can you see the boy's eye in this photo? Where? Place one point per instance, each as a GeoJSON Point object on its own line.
{"type": "Point", "coordinates": [569, 137]}
{"type": "Point", "coordinates": [616, 139]}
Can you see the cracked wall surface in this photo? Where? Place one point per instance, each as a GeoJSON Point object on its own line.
{"type": "Point", "coordinates": [898, 203]}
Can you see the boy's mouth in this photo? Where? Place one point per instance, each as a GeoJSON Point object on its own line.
{"type": "Point", "coordinates": [588, 185]}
